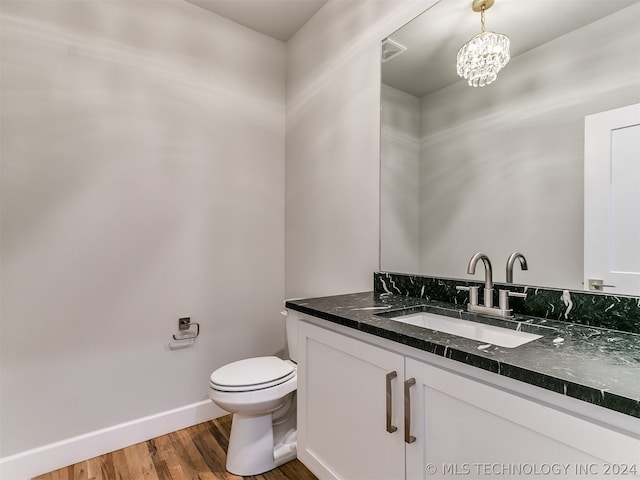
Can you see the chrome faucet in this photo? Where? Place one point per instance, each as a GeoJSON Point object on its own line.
{"type": "Point", "coordinates": [511, 260]}
{"type": "Point", "coordinates": [488, 276]}
{"type": "Point", "coordinates": [503, 309]}
{"type": "Point", "coordinates": [503, 295]}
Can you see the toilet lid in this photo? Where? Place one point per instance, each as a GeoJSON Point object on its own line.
{"type": "Point", "coordinates": [252, 374]}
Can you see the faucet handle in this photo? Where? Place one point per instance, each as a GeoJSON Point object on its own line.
{"type": "Point", "coordinates": [473, 293]}
{"type": "Point", "coordinates": [503, 298]}
{"type": "Point", "coordinates": [516, 294]}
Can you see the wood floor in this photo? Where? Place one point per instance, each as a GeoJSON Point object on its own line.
{"type": "Point", "coordinates": [195, 453]}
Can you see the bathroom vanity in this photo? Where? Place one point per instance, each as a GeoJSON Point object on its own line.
{"type": "Point", "coordinates": [384, 399]}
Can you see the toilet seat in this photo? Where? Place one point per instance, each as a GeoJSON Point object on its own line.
{"type": "Point", "coordinates": [252, 374]}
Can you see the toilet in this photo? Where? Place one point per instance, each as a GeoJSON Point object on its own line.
{"type": "Point", "coordinates": [261, 394]}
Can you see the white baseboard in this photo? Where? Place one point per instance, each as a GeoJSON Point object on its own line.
{"type": "Point", "coordinates": [53, 456]}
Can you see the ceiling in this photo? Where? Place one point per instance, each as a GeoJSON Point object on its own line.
{"type": "Point", "coordinates": [433, 39]}
{"type": "Point", "coordinates": [279, 19]}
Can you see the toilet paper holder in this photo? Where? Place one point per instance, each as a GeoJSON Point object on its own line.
{"type": "Point", "coordinates": [184, 329]}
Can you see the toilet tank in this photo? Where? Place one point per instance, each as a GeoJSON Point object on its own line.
{"type": "Point", "coordinates": [291, 326]}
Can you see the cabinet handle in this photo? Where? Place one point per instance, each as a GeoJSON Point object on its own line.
{"type": "Point", "coordinates": [408, 438]}
{"type": "Point", "coordinates": [390, 376]}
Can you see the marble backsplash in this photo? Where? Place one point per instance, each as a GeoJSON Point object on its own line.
{"type": "Point", "coordinates": [617, 312]}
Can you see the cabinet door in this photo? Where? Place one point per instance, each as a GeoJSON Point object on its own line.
{"type": "Point", "coordinates": [342, 405]}
{"type": "Point", "coordinates": [464, 427]}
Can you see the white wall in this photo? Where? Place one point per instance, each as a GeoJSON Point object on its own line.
{"type": "Point", "coordinates": [502, 167]}
{"type": "Point", "coordinates": [142, 180]}
{"type": "Point", "coordinates": [399, 180]}
{"type": "Point", "coordinates": [333, 145]}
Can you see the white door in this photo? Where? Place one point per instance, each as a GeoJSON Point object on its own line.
{"type": "Point", "coordinates": [343, 429]}
{"type": "Point", "coordinates": [612, 201]}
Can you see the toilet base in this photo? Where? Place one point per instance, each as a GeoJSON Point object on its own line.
{"type": "Point", "coordinates": [250, 449]}
{"type": "Point", "coordinates": [258, 444]}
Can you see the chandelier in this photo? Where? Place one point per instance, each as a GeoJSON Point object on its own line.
{"type": "Point", "coordinates": [481, 58]}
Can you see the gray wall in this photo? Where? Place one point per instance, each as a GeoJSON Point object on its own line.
{"type": "Point", "coordinates": [142, 180]}
{"type": "Point", "coordinates": [333, 145]}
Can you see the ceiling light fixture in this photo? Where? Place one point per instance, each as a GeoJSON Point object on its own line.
{"type": "Point", "coordinates": [482, 57]}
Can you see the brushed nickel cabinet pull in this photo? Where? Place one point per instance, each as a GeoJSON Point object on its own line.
{"type": "Point", "coordinates": [408, 438]}
{"type": "Point", "coordinates": [390, 376]}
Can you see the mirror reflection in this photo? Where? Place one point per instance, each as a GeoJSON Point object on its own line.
{"type": "Point", "coordinates": [499, 168]}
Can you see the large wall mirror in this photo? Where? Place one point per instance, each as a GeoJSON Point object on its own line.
{"type": "Point", "coordinates": [500, 168]}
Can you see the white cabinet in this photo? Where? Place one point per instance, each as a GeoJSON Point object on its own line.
{"type": "Point", "coordinates": [447, 424]}
{"type": "Point", "coordinates": [342, 407]}
{"type": "Point", "coordinates": [464, 427]}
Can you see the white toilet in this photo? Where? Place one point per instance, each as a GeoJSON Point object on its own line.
{"type": "Point", "coordinates": [261, 394]}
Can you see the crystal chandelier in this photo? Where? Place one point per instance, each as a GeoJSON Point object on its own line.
{"type": "Point", "coordinates": [482, 57]}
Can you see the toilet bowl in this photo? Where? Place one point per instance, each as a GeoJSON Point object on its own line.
{"type": "Point", "coordinates": [261, 394]}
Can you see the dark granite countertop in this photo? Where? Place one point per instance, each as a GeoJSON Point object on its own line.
{"type": "Point", "coordinates": [596, 365]}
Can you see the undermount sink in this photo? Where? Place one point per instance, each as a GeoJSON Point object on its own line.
{"type": "Point", "coordinates": [502, 337]}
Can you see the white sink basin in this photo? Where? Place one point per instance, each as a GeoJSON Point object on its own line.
{"type": "Point", "coordinates": [502, 337]}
